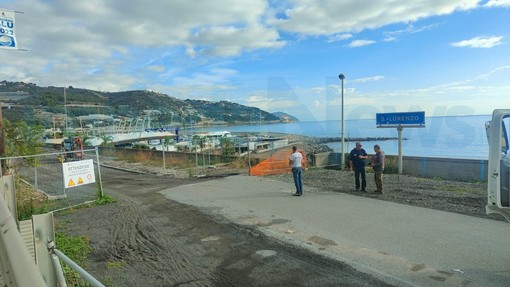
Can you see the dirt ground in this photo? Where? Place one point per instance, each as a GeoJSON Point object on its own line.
{"type": "Point", "coordinates": [147, 240]}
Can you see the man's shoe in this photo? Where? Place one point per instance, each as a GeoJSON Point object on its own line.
{"type": "Point", "coordinates": [296, 194]}
{"type": "Point", "coordinates": [378, 192]}
{"type": "Point", "coordinates": [363, 190]}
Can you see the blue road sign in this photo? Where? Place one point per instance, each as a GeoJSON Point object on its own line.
{"type": "Point", "coordinates": [408, 119]}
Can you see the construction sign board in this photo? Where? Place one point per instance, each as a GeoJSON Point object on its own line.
{"type": "Point", "coordinates": [77, 173]}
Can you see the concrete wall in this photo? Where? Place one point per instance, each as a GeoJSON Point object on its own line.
{"type": "Point", "coordinates": [463, 169]}
{"type": "Point", "coordinates": [446, 168]}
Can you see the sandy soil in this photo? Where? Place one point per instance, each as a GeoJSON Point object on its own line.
{"type": "Point", "coordinates": [146, 240]}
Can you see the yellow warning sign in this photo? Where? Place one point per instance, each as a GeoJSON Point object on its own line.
{"type": "Point", "coordinates": [80, 180]}
{"type": "Point", "coordinates": [71, 183]}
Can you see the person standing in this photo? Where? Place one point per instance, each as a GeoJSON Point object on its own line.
{"type": "Point", "coordinates": [295, 162]}
{"type": "Point", "coordinates": [378, 166]}
{"type": "Point", "coordinates": [357, 165]}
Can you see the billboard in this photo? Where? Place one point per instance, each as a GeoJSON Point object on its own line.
{"type": "Point", "coordinates": [7, 30]}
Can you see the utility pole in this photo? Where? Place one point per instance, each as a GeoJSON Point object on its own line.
{"type": "Point", "coordinates": [2, 147]}
{"type": "Point", "coordinates": [342, 155]}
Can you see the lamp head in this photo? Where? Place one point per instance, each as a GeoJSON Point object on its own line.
{"type": "Point", "coordinates": [341, 76]}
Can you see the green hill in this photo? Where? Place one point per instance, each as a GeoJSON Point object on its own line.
{"type": "Point", "coordinates": [29, 100]}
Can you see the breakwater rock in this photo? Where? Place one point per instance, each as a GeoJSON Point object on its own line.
{"type": "Point", "coordinates": [319, 144]}
{"type": "Point", "coordinates": [324, 140]}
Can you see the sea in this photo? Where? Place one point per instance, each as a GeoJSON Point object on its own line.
{"type": "Point", "coordinates": [446, 136]}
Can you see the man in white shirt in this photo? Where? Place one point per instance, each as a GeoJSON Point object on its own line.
{"type": "Point", "coordinates": [295, 162]}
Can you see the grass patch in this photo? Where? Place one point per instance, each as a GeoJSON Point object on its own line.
{"type": "Point", "coordinates": [105, 199]}
{"type": "Point", "coordinates": [115, 264]}
{"type": "Point", "coordinates": [78, 249]}
{"type": "Point", "coordinates": [240, 162]}
{"type": "Point", "coordinates": [462, 189]}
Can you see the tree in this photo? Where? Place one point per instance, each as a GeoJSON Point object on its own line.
{"type": "Point", "coordinates": [227, 146]}
{"type": "Point", "coordinates": [107, 140]}
{"type": "Point", "coordinates": [21, 139]}
{"type": "Point", "coordinates": [198, 141]}
{"type": "Point", "coordinates": [167, 141]}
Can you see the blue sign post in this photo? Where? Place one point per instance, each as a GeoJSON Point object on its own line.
{"type": "Point", "coordinates": [392, 120]}
{"type": "Point", "coordinates": [399, 121]}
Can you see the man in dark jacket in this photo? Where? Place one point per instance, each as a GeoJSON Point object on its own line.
{"type": "Point", "coordinates": [357, 165]}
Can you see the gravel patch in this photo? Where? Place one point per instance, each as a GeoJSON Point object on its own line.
{"type": "Point", "coordinates": [467, 198]}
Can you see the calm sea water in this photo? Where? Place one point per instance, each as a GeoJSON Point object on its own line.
{"type": "Point", "coordinates": [450, 137]}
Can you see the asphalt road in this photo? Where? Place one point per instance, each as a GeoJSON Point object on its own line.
{"type": "Point", "coordinates": [400, 244]}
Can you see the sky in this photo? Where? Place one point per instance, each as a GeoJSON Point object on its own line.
{"type": "Point", "coordinates": [442, 57]}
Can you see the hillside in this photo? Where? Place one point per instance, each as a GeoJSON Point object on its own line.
{"type": "Point", "coordinates": [29, 100]}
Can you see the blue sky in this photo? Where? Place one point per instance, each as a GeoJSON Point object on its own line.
{"type": "Point", "coordinates": [442, 57]}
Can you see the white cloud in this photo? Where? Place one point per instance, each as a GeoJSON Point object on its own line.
{"type": "Point", "coordinates": [367, 79]}
{"type": "Point", "coordinates": [390, 36]}
{"type": "Point", "coordinates": [231, 41]}
{"type": "Point", "coordinates": [331, 17]}
{"type": "Point", "coordinates": [270, 104]}
{"type": "Point", "coordinates": [339, 37]}
{"type": "Point", "coordinates": [480, 42]}
{"type": "Point", "coordinates": [360, 43]}
{"type": "Point", "coordinates": [498, 3]}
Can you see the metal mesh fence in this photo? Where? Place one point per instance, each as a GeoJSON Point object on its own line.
{"type": "Point", "coordinates": [40, 182]}
{"type": "Point", "coordinates": [278, 162]}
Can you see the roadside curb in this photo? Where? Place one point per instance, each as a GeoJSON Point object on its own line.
{"type": "Point", "coordinates": [121, 169]}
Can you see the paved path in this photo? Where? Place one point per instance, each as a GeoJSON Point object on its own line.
{"type": "Point", "coordinates": [404, 245]}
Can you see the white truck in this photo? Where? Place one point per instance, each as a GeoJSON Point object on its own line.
{"type": "Point", "coordinates": [498, 187]}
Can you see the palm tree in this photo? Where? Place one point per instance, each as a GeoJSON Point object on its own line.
{"type": "Point", "coordinates": [107, 140]}
{"type": "Point", "coordinates": [166, 142]}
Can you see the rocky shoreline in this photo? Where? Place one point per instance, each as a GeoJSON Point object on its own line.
{"type": "Point", "coordinates": [324, 140]}
{"type": "Point", "coordinates": [317, 144]}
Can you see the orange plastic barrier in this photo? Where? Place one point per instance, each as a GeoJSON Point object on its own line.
{"type": "Point", "coordinates": [278, 163]}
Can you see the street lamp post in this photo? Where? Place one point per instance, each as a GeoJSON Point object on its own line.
{"type": "Point", "coordinates": [342, 154]}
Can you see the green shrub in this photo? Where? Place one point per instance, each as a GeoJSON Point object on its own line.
{"type": "Point", "coordinates": [105, 199]}
{"type": "Point", "coordinates": [391, 166]}
{"type": "Point", "coordinates": [28, 201]}
{"type": "Point", "coordinates": [77, 248]}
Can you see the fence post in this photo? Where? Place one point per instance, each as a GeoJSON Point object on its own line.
{"type": "Point", "coordinates": [99, 172]}
{"type": "Point", "coordinates": [43, 232]}
{"type": "Point", "coordinates": [164, 159]}
{"type": "Point", "coordinates": [9, 194]}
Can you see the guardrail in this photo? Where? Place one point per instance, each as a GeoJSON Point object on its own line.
{"type": "Point", "coordinates": [84, 274]}
{"type": "Point", "coordinates": [18, 267]}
